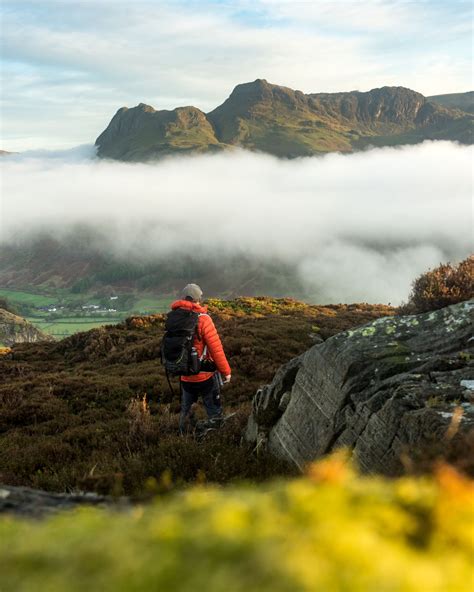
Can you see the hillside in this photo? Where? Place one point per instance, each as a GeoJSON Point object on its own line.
{"type": "Point", "coordinates": [76, 415]}
{"type": "Point", "coordinates": [284, 122]}
{"type": "Point", "coordinates": [462, 101]}
{"type": "Point", "coordinates": [47, 262]}
{"type": "Point", "coordinates": [14, 329]}
{"type": "Point", "coordinates": [50, 264]}
{"type": "Point", "coordinates": [72, 413]}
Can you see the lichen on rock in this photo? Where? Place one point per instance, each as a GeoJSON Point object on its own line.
{"type": "Point", "coordinates": [371, 389]}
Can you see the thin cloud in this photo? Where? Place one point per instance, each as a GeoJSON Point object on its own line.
{"type": "Point", "coordinates": [353, 227]}
{"type": "Point", "coordinates": [79, 61]}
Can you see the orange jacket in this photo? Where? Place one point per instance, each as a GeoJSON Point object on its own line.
{"type": "Point", "coordinates": [207, 336]}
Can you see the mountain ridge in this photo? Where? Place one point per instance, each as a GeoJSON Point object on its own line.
{"type": "Point", "coordinates": [284, 122]}
{"type": "Point", "coordinates": [462, 101]}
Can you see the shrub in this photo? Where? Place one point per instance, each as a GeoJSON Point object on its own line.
{"type": "Point", "coordinates": [445, 285]}
{"type": "Point", "coordinates": [330, 531]}
{"type": "Point", "coordinates": [139, 418]}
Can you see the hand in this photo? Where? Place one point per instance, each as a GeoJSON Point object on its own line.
{"type": "Point", "coordinates": [226, 379]}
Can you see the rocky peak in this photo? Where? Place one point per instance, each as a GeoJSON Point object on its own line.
{"type": "Point", "coordinates": [260, 90]}
{"type": "Point", "coordinates": [258, 87]}
{"type": "Point", "coordinates": [144, 131]}
{"type": "Point", "coordinates": [146, 108]}
{"type": "Point", "coordinates": [189, 115]}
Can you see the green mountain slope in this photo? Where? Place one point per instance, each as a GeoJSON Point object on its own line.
{"type": "Point", "coordinates": [284, 122]}
{"type": "Point", "coordinates": [462, 101]}
{"type": "Point", "coordinates": [143, 133]}
{"type": "Point", "coordinates": [75, 264]}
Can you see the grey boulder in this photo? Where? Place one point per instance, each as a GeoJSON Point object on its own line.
{"type": "Point", "coordinates": [380, 390]}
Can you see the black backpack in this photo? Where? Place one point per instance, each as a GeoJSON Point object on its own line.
{"type": "Point", "coordinates": [178, 355]}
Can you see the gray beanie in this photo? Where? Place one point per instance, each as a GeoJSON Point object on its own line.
{"type": "Point", "coordinates": [192, 291]}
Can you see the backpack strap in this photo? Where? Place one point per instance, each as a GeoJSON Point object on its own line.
{"type": "Point", "coordinates": [169, 382]}
{"type": "Point", "coordinates": [204, 351]}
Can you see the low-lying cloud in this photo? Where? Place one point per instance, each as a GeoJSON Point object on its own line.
{"type": "Point", "coordinates": [355, 227]}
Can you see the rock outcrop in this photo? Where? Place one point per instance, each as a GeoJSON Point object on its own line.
{"type": "Point", "coordinates": [384, 389]}
{"type": "Point", "coordinates": [14, 329]}
{"type": "Point", "coordinates": [34, 503]}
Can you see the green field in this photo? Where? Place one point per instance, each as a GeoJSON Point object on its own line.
{"type": "Point", "coordinates": [152, 305]}
{"type": "Point", "coordinates": [34, 299]}
{"type": "Point", "coordinates": [143, 302]}
{"type": "Point", "coordinates": [29, 304]}
{"type": "Point", "coordinates": [38, 298]}
{"type": "Point", "coordinates": [65, 326]}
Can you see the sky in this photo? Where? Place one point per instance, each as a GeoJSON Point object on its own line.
{"type": "Point", "coordinates": [406, 210]}
{"type": "Point", "coordinates": [68, 65]}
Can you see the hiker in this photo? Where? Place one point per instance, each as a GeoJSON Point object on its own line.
{"type": "Point", "coordinates": [206, 367]}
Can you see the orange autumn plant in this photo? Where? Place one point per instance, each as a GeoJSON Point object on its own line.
{"type": "Point", "coordinates": [330, 530]}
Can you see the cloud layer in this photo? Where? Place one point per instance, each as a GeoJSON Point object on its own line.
{"type": "Point", "coordinates": [354, 227]}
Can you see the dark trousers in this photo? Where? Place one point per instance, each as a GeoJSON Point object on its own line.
{"type": "Point", "coordinates": [209, 390]}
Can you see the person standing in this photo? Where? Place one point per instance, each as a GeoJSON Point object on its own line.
{"type": "Point", "coordinates": [208, 346]}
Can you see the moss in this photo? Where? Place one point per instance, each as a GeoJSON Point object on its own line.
{"type": "Point", "coordinates": [398, 348]}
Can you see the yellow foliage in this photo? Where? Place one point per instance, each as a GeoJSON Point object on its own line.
{"type": "Point", "coordinates": [329, 531]}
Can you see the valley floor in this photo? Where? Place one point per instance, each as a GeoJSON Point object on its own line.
{"type": "Point", "coordinates": [63, 313]}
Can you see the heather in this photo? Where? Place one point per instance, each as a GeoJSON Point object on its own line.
{"type": "Point", "coordinates": [94, 411]}
{"type": "Point", "coordinates": [436, 288]}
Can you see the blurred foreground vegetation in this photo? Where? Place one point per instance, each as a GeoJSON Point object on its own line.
{"type": "Point", "coordinates": [331, 530]}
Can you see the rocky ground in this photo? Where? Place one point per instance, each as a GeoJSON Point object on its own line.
{"type": "Point", "coordinates": [33, 503]}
